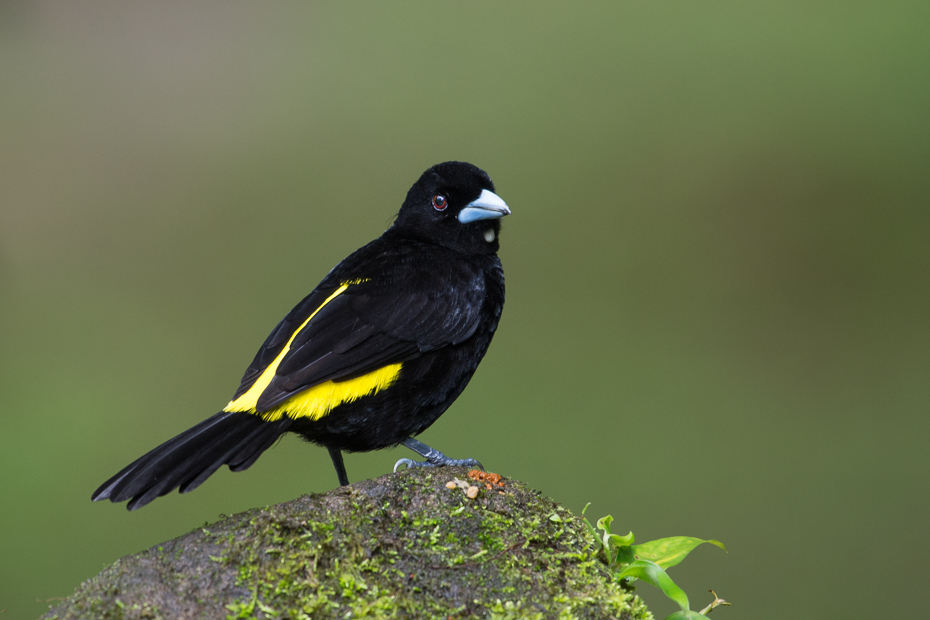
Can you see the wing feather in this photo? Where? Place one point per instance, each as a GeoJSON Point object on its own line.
{"type": "Point", "coordinates": [395, 312]}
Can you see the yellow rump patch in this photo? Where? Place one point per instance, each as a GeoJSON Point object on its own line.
{"type": "Point", "coordinates": [315, 402]}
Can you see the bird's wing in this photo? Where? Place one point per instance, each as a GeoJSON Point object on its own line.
{"type": "Point", "coordinates": [361, 327]}
{"type": "Point", "coordinates": [279, 336]}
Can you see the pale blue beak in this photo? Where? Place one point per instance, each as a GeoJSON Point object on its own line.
{"type": "Point", "coordinates": [488, 206]}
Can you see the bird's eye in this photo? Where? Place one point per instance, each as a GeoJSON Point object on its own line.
{"type": "Point", "coordinates": [440, 202]}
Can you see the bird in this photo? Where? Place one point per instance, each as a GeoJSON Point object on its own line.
{"type": "Point", "coordinates": [371, 357]}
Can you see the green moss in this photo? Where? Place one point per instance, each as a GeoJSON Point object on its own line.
{"type": "Point", "coordinates": [401, 546]}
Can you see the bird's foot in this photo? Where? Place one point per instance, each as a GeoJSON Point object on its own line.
{"type": "Point", "coordinates": [434, 458]}
{"type": "Point", "coordinates": [441, 462]}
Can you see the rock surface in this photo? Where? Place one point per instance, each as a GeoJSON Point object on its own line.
{"type": "Point", "coordinates": [400, 546]}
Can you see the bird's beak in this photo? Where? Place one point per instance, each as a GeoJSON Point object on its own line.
{"type": "Point", "coordinates": [488, 206]}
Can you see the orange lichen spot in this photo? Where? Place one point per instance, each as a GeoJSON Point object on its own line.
{"type": "Point", "coordinates": [489, 479]}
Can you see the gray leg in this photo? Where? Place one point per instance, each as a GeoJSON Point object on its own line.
{"type": "Point", "coordinates": [434, 458]}
{"type": "Point", "coordinates": [336, 455]}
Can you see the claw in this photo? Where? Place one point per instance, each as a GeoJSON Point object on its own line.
{"type": "Point", "coordinates": [408, 462]}
{"type": "Point", "coordinates": [465, 463]}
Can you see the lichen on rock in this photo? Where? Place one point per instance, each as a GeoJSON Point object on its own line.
{"type": "Point", "coordinates": [399, 546]}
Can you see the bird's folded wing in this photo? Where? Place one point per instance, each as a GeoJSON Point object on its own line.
{"type": "Point", "coordinates": [279, 336]}
{"type": "Point", "coordinates": [364, 328]}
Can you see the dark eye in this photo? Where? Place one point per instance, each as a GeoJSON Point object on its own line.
{"type": "Point", "coordinates": [440, 202]}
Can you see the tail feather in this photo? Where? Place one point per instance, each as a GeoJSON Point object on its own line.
{"type": "Point", "coordinates": [224, 456]}
{"type": "Point", "coordinates": [166, 460]}
{"type": "Point", "coordinates": [135, 471]}
{"type": "Point", "coordinates": [249, 452]}
{"type": "Point", "coordinates": [186, 461]}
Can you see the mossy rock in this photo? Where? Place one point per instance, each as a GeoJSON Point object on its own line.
{"type": "Point", "coordinates": [400, 546]}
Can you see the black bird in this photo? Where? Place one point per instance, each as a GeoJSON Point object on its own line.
{"type": "Point", "coordinates": [370, 358]}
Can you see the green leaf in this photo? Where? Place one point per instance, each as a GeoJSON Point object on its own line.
{"type": "Point", "coordinates": [667, 552]}
{"type": "Point", "coordinates": [652, 573]}
{"type": "Point", "coordinates": [620, 541]}
{"type": "Point", "coordinates": [609, 540]}
{"type": "Point", "coordinates": [625, 556]}
{"type": "Point", "coordinates": [685, 615]}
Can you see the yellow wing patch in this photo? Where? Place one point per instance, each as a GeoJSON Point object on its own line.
{"type": "Point", "coordinates": [315, 402]}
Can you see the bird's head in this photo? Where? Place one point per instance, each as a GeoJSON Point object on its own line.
{"type": "Point", "coordinates": [453, 205]}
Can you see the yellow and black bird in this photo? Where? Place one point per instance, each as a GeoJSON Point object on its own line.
{"type": "Point", "coordinates": [370, 358]}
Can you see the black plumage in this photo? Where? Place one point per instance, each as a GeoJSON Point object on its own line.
{"type": "Point", "coordinates": [371, 357]}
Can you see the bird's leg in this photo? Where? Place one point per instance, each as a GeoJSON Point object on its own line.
{"type": "Point", "coordinates": [434, 458]}
{"type": "Point", "coordinates": [336, 455]}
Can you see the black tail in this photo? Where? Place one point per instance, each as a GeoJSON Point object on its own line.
{"type": "Point", "coordinates": [236, 439]}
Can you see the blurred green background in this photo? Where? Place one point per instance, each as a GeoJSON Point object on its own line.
{"type": "Point", "coordinates": [717, 267]}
